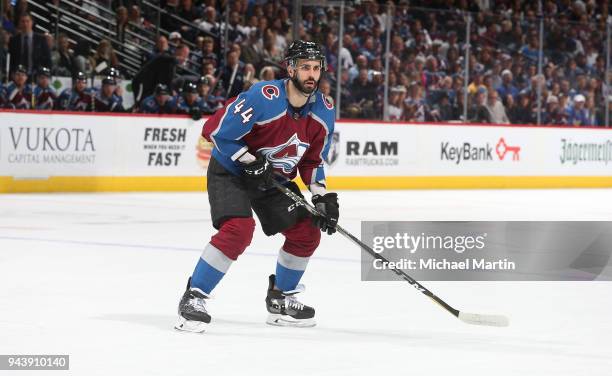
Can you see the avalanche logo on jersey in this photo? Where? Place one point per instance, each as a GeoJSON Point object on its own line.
{"type": "Point", "coordinates": [287, 155]}
{"type": "Point", "coordinates": [270, 92]}
{"type": "Point", "coordinates": [327, 102]}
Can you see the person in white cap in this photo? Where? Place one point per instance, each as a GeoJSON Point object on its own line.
{"type": "Point", "coordinates": [553, 114]}
{"type": "Point", "coordinates": [577, 114]}
{"type": "Point", "coordinates": [506, 87]}
{"type": "Point", "coordinates": [175, 38]}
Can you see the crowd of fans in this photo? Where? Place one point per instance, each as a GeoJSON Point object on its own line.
{"type": "Point", "coordinates": [190, 69]}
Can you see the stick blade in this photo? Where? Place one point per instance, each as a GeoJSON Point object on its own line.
{"type": "Point", "coordinates": [485, 320]}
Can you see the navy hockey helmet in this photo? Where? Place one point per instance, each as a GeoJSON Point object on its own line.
{"type": "Point", "coordinates": [21, 69]}
{"type": "Point", "coordinates": [305, 50]}
{"type": "Point", "coordinates": [80, 76]}
{"type": "Point", "coordinates": [109, 80]}
{"type": "Point", "coordinates": [161, 89]}
{"type": "Point", "coordinates": [190, 88]}
{"type": "Point", "coordinates": [44, 71]}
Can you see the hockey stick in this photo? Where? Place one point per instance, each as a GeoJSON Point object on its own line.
{"type": "Point", "coordinates": [469, 318]}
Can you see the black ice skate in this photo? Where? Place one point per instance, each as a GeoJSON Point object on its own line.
{"type": "Point", "coordinates": [193, 316]}
{"type": "Point", "coordinates": [285, 309]}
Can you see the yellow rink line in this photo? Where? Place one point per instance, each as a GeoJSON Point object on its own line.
{"type": "Point", "coordinates": [191, 183]}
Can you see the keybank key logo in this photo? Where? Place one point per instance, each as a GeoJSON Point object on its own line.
{"type": "Point", "coordinates": [478, 153]}
{"type": "Point", "coordinates": [502, 149]}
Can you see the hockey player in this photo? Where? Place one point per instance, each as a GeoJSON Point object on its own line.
{"type": "Point", "coordinates": [158, 103]}
{"type": "Point", "coordinates": [273, 131]}
{"type": "Point", "coordinates": [79, 98]}
{"type": "Point", "coordinates": [44, 95]}
{"type": "Point", "coordinates": [19, 93]}
{"type": "Point", "coordinates": [189, 102]}
{"type": "Point", "coordinates": [105, 99]}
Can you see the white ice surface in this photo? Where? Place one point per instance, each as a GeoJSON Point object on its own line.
{"type": "Point", "coordinates": [99, 276]}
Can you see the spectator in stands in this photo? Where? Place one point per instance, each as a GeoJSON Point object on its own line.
{"type": "Point", "coordinates": [27, 48]}
{"type": "Point", "coordinates": [6, 19]}
{"type": "Point", "coordinates": [191, 13]}
{"type": "Point", "coordinates": [62, 58]}
{"type": "Point", "coordinates": [136, 20]}
{"type": "Point", "coordinates": [600, 116]}
{"type": "Point", "coordinates": [161, 46]}
{"type": "Point", "coordinates": [415, 107]}
{"type": "Point", "coordinates": [233, 75]}
{"type": "Point", "coordinates": [590, 109]}
{"type": "Point", "coordinates": [79, 97]}
{"type": "Point", "coordinates": [43, 95]}
{"type": "Point", "coordinates": [209, 21]}
{"type": "Point", "coordinates": [523, 111]}
{"type": "Point", "coordinates": [104, 57]}
{"type": "Point", "coordinates": [325, 89]}
{"type": "Point", "coordinates": [105, 100]}
{"type": "Point", "coordinates": [235, 31]}
{"type": "Point", "coordinates": [443, 110]}
{"type": "Point", "coordinates": [496, 109]}
{"type": "Point", "coordinates": [19, 93]}
{"type": "Point", "coordinates": [168, 22]}
{"type": "Point", "coordinates": [208, 50]}
{"type": "Point", "coordinates": [208, 68]}
{"type": "Point", "coordinates": [161, 69]}
{"type": "Point", "coordinates": [174, 40]}
{"type": "Point", "coordinates": [506, 87]}
{"type": "Point", "coordinates": [271, 52]}
{"type": "Point", "coordinates": [251, 53]}
{"type": "Point", "coordinates": [395, 108]}
{"type": "Point", "coordinates": [577, 114]}
{"type": "Point", "coordinates": [361, 63]}
{"type": "Point", "coordinates": [268, 74]}
{"type": "Point", "coordinates": [20, 7]}
{"type": "Point", "coordinates": [159, 102]}
{"type": "Point", "coordinates": [552, 114]}
{"type": "Point", "coordinates": [81, 57]}
{"type": "Point", "coordinates": [478, 112]}
{"type": "Point", "coordinates": [121, 24]}
{"type": "Point", "coordinates": [362, 88]}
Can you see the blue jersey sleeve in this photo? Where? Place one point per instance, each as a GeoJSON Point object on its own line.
{"type": "Point", "coordinates": [312, 164]}
{"type": "Point", "coordinates": [239, 118]}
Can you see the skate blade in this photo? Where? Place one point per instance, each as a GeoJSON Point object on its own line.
{"type": "Point", "coordinates": [280, 320]}
{"type": "Point", "coordinates": [191, 326]}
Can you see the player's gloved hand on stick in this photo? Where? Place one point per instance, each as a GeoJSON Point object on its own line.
{"type": "Point", "coordinates": [258, 172]}
{"type": "Point", "coordinates": [328, 205]}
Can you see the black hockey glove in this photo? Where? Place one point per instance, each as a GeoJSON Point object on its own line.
{"type": "Point", "coordinates": [328, 205]}
{"type": "Point", "coordinates": [195, 113]}
{"type": "Point", "coordinates": [257, 173]}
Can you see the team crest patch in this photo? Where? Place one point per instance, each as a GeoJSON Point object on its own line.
{"type": "Point", "coordinates": [334, 149]}
{"type": "Point", "coordinates": [287, 155]}
{"type": "Point", "coordinates": [270, 92]}
{"type": "Point", "coordinates": [327, 102]}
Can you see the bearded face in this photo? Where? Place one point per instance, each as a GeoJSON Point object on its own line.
{"type": "Point", "coordinates": [306, 75]}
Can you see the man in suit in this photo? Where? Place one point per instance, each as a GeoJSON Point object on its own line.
{"type": "Point", "coordinates": [28, 48]}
